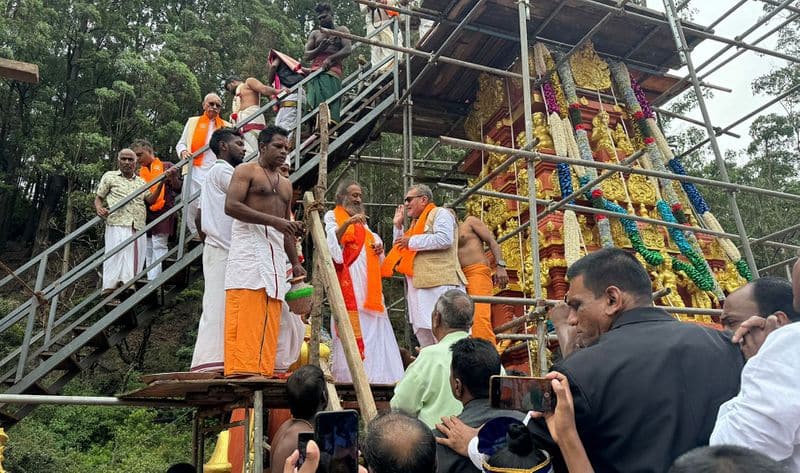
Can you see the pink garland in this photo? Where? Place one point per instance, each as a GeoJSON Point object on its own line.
{"type": "Point", "coordinates": [550, 98]}
{"type": "Point", "coordinates": [647, 111]}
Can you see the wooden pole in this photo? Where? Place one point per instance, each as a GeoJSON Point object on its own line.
{"type": "Point", "coordinates": [323, 116]}
{"type": "Point", "coordinates": [334, 404]}
{"type": "Point", "coordinates": [336, 300]}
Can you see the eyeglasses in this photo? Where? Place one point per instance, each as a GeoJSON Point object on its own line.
{"type": "Point", "coordinates": [410, 198]}
{"type": "Point", "coordinates": [214, 105]}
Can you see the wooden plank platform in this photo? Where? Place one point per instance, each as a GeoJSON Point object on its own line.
{"type": "Point", "coordinates": [446, 91]}
{"type": "Point", "coordinates": [209, 390]}
{"type": "Point", "coordinates": [21, 71]}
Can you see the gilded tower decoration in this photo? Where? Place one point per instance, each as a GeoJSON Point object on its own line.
{"type": "Point", "coordinates": [589, 70]}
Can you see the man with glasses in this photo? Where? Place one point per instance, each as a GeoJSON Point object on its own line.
{"type": "Point", "coordinates": [427, 254]}
{"type": "Point", "coordinates": [196, 134]}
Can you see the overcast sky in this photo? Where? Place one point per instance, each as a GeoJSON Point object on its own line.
{"type": "Point", "coordinates": [725, 108]}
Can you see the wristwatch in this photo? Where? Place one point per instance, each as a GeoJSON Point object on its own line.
{"type": "Point", "coordinates": [501, 263]}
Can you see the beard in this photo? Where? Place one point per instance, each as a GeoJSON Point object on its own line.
{"type": "Point", "coordinates": [353, 209]}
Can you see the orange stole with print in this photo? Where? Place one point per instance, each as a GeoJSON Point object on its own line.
{"type": "Point", "coordinates": [353, 241]}
{"type": "Point", "coordinates": [403, 259]}
{"type": "Point", "coordinates": [148, 173]}
{"type": "Point", "coordinates": [200, 135]}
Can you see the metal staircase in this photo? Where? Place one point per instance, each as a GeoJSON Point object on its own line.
{"type": "Point", "coordinates": [59, 341]}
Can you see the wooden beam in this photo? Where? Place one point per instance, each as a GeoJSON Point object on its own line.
{"type": "Point", "coordinates": [17, 70]}
{"type": "Point", "coordinates": [336, 300]}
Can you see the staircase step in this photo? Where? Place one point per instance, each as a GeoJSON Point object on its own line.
{"type": "Point", "coordinates": [7, 420]}
{"type": "Point", "coordinates": [38, 389]}
{"type": "Point", "coordinates": [128, 319]}
{"type": "Point", "coordinates": [99, 341]}
{"type": "Point", "coordinates": [70, 363]}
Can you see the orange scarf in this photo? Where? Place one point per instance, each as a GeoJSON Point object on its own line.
{"type": "Point", "coordinates": [148, 173]}
{"type": "Point", "coordinates": [403, 259]}
{"type": "Point", "coordinates": [200, 136]}
{"type": "Point", "coordinates": [352, 241]}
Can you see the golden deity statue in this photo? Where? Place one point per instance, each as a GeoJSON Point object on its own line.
{"type": "Point", "coordinates": [3, 442]}
{"type": "Point", "coordinates": [542, 132]}
{"type": "Point", "coordinates": [601, 133]}
{"type": "Point", "coordinates": [622, 141]}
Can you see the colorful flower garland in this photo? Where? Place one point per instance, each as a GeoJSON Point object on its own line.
{"type": "Point", "coordinates": [698, 270]}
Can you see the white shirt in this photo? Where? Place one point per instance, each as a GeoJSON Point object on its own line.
{"type": "Point", "coordinates": [765, 415]}
{"type": "Point", "coordinates": [443, 236]}
{"type": "Point", "coordinates": [198, 172]}
{"type": "Point", "coordinates": [216, 224]}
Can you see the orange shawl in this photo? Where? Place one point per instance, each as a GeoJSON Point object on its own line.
{"type": "Point", "coordinates": [200, 135]}
{"type": "Point", "coordinates": [148, 173]}
{"type": "Point", "coordinates": [404, 259]}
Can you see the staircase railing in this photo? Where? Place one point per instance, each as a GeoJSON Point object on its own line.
{"type": "Point", "coordinates": [48, 294]}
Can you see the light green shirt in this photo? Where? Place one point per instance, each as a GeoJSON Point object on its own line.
{"type": "Point", "coordinates": [424, 392]}
{"type": "Point", "coordinates": [113, 188]}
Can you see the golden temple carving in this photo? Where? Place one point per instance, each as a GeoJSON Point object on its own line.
{"type": "Point", "coordinates": [618, 234]}
{"type": "Point", "coordinates": [664, 277]}
{"type": "Point", "coordinates": [622, 141]}
{"type": "Point", "coordinates": [586, 231]}
{"type": "Point", "coordinates": [542, 132]}
{"type": "Point", "coordinates": [589, 70]}
{"type": "Point", "coordinates": [729, 278]}
{"type": "Point", "coordinates": [614, 188]}
{"type": "Point", "coordinates": [601, 133]}
{"type": "Point", "coordinates": [641, 190]}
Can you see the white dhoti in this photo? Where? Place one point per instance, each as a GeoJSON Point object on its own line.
{"type": "Point", "coordinates": [157, 246]}
{"type": "Point", "coordinates": [290, 341]}
{"type": "Point", "coordinates": [378, 54]}
{"type": "Point", "coordinates": [287, 111]}
{"type": "Point", "coordinates": [209, 347]}
{"type": "Point", "coordinates": [382, 360]}
{"type": "Point", "coordinates": [425, 26]}
{"type": "Point", "coordinates": [420, 307]}
{"type": "Point", "coordinates": [251, 129]}
{"type": "Point", "coordinates": [125, 263]}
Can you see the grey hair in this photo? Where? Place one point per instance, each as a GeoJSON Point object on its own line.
{"type": "Point", "coordinates": [341, 190]}
{"type": "Point", "coordinates": [423, 190]}
{"type": "Point", "coordinates": [456, 309]}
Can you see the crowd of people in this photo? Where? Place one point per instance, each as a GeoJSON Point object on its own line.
{"type": "Point", "coordinates": [637, 390]}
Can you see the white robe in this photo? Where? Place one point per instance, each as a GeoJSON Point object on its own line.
{"type": "Point", "coordinates": [209, 349]}
{"type": "Point", "coordinates": [381, 353]}
{"type": "Point", "coordinates": [127, 262]}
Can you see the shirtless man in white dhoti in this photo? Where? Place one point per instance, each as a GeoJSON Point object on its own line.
{"type": "Point", "coordinates": [246, 102]}
{"type": "Point", "coordinates": [215, 230]}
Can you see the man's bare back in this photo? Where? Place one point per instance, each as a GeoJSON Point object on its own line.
{"type": "Point", "coordinates": [470, 246]}
{"type": "Point", "coordinates": [472, 234]}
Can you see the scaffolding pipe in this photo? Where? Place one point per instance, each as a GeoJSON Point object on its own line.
{"type": "Point", "coordinates": [683, 51]}
{"type": "Point", "coordinates": [727, 47]}
{"type": "Point", "coordinates": [763, 107]}
{"type": "Point", "coordinates": [608, 213]}
{"type": "Point", "coordinates": [758, 40]}
{"type": "Point", "coordinates": [616, 167]}
{"type": "Point", "coordinates": [777, 265]}
{"type": "Point", "coordinates": [87, 401]}
{"type": "Point", "coordinates": [588, 186]}
{"type": "Point", "coordinates": [482, 182]}
{"type": "Point", "coordinates": [696, 32]}
{"type": "Point", "coordinates": [766, 238]}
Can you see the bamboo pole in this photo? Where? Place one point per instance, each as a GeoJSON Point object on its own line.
{"type": "Point", "coordinates": [336, 300]}
{"type": "Point", "coordinates": [319, 195]}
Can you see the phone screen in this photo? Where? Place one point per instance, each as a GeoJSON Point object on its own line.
{"type": "Point", "coordinates": [522, 393]}
{"type": "Point", "coordinates": [302, 441]}
{"type": "Point", "coordinates": [336, 433]}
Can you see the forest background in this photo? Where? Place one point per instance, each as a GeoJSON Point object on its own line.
{"type": "Point", "coordinates": [114, 71]}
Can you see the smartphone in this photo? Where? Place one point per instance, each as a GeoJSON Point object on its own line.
{"type": "Point", "coordinates": [522, 393]}
{"type": "Point", "coordinates": [336, 434]}
{"type": "Point", "coordinates": [302, 441]}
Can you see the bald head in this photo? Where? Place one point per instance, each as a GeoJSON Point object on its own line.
{"type": "Point", "coordinates": [416, 453]}
{"type": "Point", "coordinates": [126, 160]}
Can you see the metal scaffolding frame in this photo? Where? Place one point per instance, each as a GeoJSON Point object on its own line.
{"type": "Point", "coordinates": [670, 20]}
